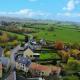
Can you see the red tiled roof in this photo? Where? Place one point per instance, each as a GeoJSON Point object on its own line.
{"type": "Point", "coordinates": [44, 68]}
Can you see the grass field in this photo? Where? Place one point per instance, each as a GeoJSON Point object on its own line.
{"type": "Point", "coordinates": [19, 36]}
{"type": "Point", "coordinates": [62, 33]}
{"type": "Point", "coordinates": [67, 34]}
{"type": "Point", "coordinates": [49, 56]}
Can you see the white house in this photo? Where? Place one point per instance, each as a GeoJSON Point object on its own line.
{"type": "Point", "coordinates": [29, 53]}
{"type": "Point", "coordinates": [22, 63]}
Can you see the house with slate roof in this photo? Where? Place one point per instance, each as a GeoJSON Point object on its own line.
{"type": "Point", "coordinates": [35, 46]}
{"type": "Point", "coordinates": [43, 42]}
{"type": "Point", "coordinates": [22, 63]}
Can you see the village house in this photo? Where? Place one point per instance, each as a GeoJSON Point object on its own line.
{"type": "Point", "coordinates": [32, 41]}
{"type": "Point", "coordinates": [43, 42]}
{"type": "Point", "coordinates": [29, 53]}
{"type": "Point", "coordinates": [35, 46]}
{"type": "Point", "coordinates": [41, 70]}
{"type": "Point", "coordinates": [22, 63]}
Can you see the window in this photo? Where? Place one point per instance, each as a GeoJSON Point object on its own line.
{"type": "Point", "coordinates": [31, 56]}
{"type": "Point", "coordinates": [23, 65]}
{"type": "Point", "coordinates": [42, 73]}
{"type": "Point", "coordinates": [39, 73]}
{"type": "Point", "coordinates": [35, 55]}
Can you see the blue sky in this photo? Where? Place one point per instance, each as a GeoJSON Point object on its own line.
{"type": "Point", "coordinates": [67, 10]}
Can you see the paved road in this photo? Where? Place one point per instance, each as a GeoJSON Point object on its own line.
{"type": "Point", "coordinates": [12, 66]}
{"type": "Point", "coordinates": [13, 51]}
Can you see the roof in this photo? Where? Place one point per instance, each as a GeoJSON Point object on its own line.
{"type": "Point", "coordinates": [32, 41]}
{"type": "Point", "coordinates": [39, 67]}
{"type": "Point", "coordinates": [23, 60]}
{"type": "Point", "coordinates": [1, 51]}
{"type": "Point", "coordinates": [5, 61]}
{"type": "Point", "coordinates": [28, 50]}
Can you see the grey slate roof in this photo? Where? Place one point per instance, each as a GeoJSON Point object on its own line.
{"type": "Point", "coordinates": [23, 60]}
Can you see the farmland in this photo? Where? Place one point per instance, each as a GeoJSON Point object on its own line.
{"type": "Point", "coordinates": [63, 33]}
{"type": "Point", "coordinates": [50, 32]}
{"type": "Point", "coordinates": [56, 44]}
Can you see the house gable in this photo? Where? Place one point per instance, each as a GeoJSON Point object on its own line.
{"type": "Point", "coordinates": [28, 52]}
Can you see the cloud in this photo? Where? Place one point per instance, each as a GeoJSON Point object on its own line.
{"type": "Point", "coordinates": [71, 5]}
{"type": "Point", "coordinates": [27, 13]}
{"type": "Point", "coordinates": [69, 9]}
{"type": "Point", "coordinates": [78, 14]}
{"type": "Point", "coordinates": [69, 14]}
{"type": "Point", "coordinates": [64, 14]}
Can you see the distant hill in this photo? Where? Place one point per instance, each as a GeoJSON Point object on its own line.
{"type": "Point", "coordinates": [17, 19]}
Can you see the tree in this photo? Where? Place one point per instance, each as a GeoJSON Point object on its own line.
{"type": "Point", "coordinates": [64, 55]}
{"type": "Point", "coordinates": [72, 66]}
{"type": "Point", "coordinates": [26, 38]}
{"type": "Point", "coordinates": [59, 45]}
{"type": "Point", "coordinates": [7, 52]}
{"type": "Point", "coordinates": [51, 28]}
{"type": "Point", "coordinates": [74, 52]}
{"type": "Point", "coordinates": [15, 43]}
{"type": "Point", "coordinates": [76, 46]}
{"type": "Point", "coordinates": [4, 23]}
{"type": "Point", "coordinates": [4, 37]}
{"type": "Point", "coordinates": [24, 25]}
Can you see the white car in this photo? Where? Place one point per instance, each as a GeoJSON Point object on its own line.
{"type": "Point", "coordinates": [35, 79]}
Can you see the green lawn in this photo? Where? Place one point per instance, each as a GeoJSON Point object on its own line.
{"type": "Point", "coordinates": [20, 37]}
{"type": "Point", "coordinates": [49, 56]}
{"type": "Point", "coordinates": [63, 33]}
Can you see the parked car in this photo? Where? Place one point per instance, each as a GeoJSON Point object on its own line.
{"type": "Point", "coordinates": [35, 79]}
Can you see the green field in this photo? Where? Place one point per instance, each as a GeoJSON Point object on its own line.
{"type": "Point", "coordinates": [67, 34]}
{"type": "Point", "coordinates": [19, 36]}
{"type": "Point", "coordinates": [49, 56]}
{"type": "Point", "coordinates": [61, 33]}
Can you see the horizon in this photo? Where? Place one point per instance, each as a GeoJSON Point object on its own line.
{"type": "Point", "coordinates": [64, 10]}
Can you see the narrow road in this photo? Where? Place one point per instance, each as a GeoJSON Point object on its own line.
{"type": "Point", "coordinates": [12, 65]}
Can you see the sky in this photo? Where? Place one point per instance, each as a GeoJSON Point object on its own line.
{"type": "Point", "coordinates": [64, 10]}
